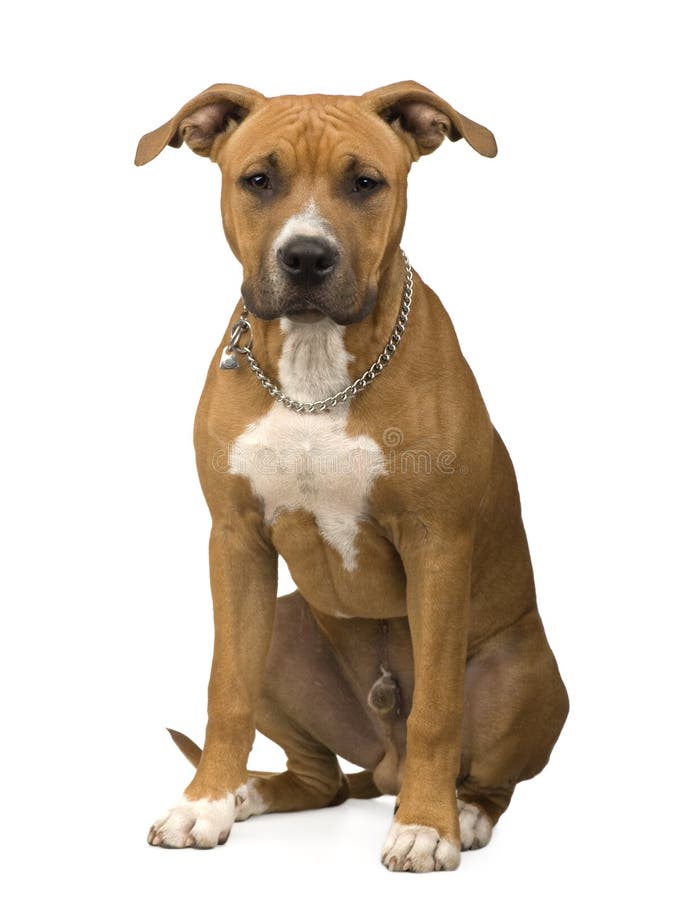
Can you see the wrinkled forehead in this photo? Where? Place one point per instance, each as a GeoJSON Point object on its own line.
{"type": "Point", "coordinates": [314, 135]}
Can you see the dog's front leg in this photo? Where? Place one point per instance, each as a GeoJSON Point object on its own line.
{"type": "Point", "coordinates": [243, 582]}
{"type": "Point", "coordinates": [425, 834]}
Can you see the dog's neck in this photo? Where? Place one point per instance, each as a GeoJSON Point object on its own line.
{"type": "Point", "coordinates": [314, 363]}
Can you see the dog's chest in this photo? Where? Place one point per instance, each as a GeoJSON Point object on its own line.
{"type": "Point", "coordinates": [309, 461]}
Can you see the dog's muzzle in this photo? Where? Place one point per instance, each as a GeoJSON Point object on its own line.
{"type": "Point", "coordinates": [306, 275]}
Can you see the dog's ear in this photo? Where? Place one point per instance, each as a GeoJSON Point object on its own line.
{"type": "Point", "coordinates": [423, 119]}
{"type": "Point", "coordinates": [216, 111]}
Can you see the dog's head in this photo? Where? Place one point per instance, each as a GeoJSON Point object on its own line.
{"type": "Point", "coordinates": [314, 187]}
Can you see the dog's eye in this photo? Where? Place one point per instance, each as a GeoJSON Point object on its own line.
{"type": "Point", "coordinates": [364, 183]}
{"type": "Point", "coordinates": [260, 181]}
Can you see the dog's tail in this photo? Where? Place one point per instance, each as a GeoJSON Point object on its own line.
{"type": "Point", "coordinates": [186, 745]}
{"type": "Point", "coordinates": [361, 785]}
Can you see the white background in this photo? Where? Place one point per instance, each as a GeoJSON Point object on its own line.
{"type": "Point", "coordinates": [558, 263]}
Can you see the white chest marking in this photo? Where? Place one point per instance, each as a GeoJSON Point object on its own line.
{"type": "Point", "coordinates": [309, 462]}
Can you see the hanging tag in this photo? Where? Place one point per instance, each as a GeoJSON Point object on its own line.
{"type": "Point", "coordinates": [228, 360]}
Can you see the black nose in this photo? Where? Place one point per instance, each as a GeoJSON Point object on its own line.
{"type": "Point", "coordinates": [308, 259]}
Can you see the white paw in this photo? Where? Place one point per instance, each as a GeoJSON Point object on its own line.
{"type": "Point", "coordinates": [418, 848]}
{"type": "Point", "coordinates": [194, 823]}
{"type": "Point", "coordinates": [475, 826]}
{"type": "Point", "coordinates": [249, 802]}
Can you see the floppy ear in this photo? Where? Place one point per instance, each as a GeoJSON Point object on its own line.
{"type": "Point", "coordinates": [423, 119]}
{"type": "Point", "coordinates": [217, 110]}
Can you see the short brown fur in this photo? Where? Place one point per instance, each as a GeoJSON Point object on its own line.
{"type": "Point", "coordinates": [443, 591]}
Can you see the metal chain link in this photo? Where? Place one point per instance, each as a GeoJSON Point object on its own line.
{"type": "Point", "coordinates": [360, 384]}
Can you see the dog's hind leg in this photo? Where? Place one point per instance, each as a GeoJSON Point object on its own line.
{"type": "Point", "coordinates": [515, 706]}
{"type": "Point", "coordinates": [310, 710]}
{"type": "Point", "coordinates": [290, 792]}
{"type": "Point", "coordinates": [313, 778]}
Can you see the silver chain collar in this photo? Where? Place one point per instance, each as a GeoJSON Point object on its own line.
{"type": "Point", "coordinates": [242, 325]}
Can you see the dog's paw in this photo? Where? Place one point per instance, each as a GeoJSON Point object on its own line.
{"type": "Point", "coordinates": [194, 823]}
{"type": "Point", "coordinates": [475, 826]}
{"type": "Point", "coordinates": [249, 801]}
{"type": "Point", "coordinates": [418, 848]}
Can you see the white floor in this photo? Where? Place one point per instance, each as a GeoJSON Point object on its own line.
{"type": "Point", "coordinates": [554, 842]}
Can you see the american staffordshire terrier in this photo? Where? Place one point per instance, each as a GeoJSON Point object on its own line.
{"type": "Point", "coordinates": [341, 427]}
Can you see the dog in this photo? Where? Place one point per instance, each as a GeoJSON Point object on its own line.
{"type": "Point", "coordinates": [341, 427]}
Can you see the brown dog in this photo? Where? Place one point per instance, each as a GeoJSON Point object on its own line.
{"type": "Point", "coordinates": [413, 646]}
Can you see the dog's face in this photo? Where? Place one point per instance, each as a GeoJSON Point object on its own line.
{"type": "Point", "coordinates": [314, 187]}
{"type": "Point", "coordinates": [313, 195]}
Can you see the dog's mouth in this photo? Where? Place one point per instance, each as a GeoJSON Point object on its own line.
{"type": "Point", "coordinates": [340, 301]}
{"type": "Point", "coordinates": [305, 315]}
